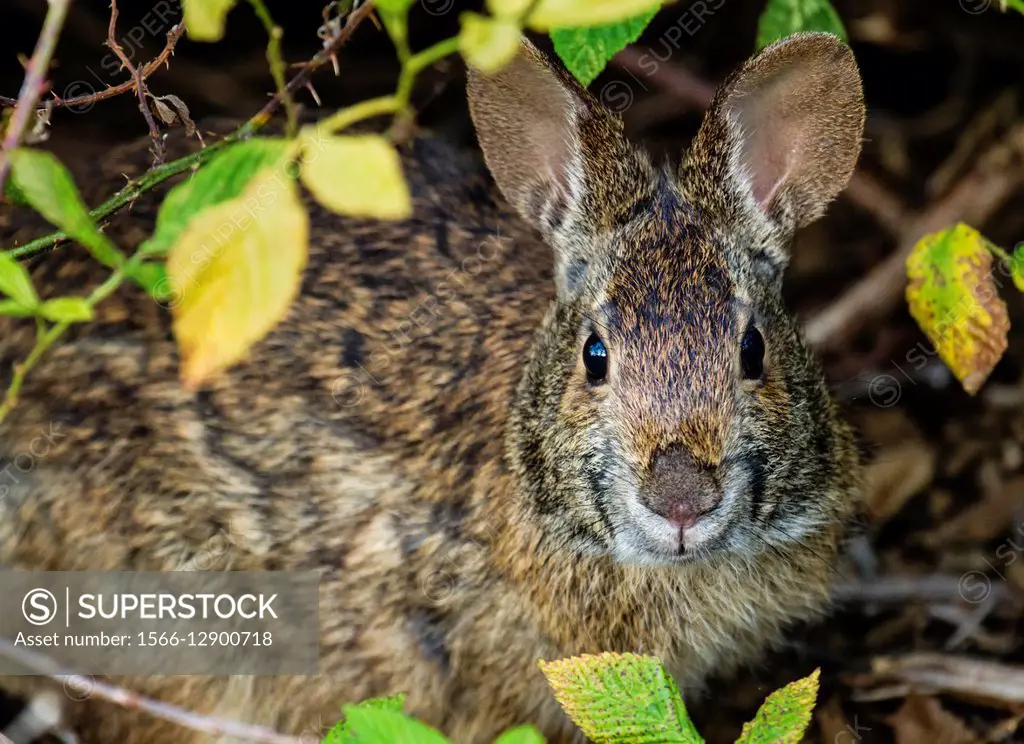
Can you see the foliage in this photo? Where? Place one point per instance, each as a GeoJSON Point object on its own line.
{"type": "Point", "coordinates": [953, 294]}
{"type": "Point", "coordinates": [613, 698]}
{"type": "Point", "coordinates": [784, 17]}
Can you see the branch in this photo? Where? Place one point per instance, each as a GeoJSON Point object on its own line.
{"type": "Point", "coordinates": [214, 727]}
{"type": "Point", "coordinates": [83, 102]}
{"type": "Point", "coordinates": [956, 675]}
{"type": "Point", "coordinates": [139, 84]}
{"type": "Point", "coordinates": [135, 188]}
{"type": "Point", "coordinates": [34, 82]}
{"type": "Point", "coordinates": [276, 63]}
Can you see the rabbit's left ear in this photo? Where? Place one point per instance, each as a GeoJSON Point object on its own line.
{"type": "Point", "coordinates": [783, 134]}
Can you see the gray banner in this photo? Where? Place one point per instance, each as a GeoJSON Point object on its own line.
{"type": "Point", "coordinates": [175, 622]}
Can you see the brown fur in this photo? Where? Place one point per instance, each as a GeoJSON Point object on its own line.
{"type": "Point", "coordinates": [420, 430]}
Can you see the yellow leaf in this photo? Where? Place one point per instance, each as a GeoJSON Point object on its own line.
{"type": "Point", "coordinates": [955, 300]}
{"type": "Point", "coordinates": [356, 175]}
{"type": "Point", "coordinates": [488, 44]}
{"type": "Point", "coordinates": [571, 13]}
{"type": "Point", "coordinates": [204, 19]}
{"type": "Point", "coordinates": [238, 266]}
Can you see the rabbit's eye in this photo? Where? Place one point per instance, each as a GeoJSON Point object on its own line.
{"type": "Point", "coordinates": [752, 354]}
{"type": "Point", "coordinates": [595, 358]}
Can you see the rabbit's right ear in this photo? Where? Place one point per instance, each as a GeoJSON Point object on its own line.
{"type": "Point", "coordinates": [559, 158]}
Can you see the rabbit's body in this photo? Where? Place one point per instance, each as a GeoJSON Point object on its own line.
{"type": "Point", "coordinates": [410, 433]}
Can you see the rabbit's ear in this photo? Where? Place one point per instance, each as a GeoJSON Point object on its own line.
{"type": "Point", "coordinates": [783, 133]}
{"type": "Point", "coordinates": [558, 156]}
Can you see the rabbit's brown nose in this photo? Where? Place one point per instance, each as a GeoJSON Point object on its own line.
{"type": "Point", "coordinates": [680, 489]}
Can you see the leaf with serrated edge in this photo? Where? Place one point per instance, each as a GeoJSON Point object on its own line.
{"type": "Point", "coordinates": [204, 19]}
{"type": "Point", "coordinates": [238, 266]}
{"type": "Point", "coordinates": [341, 734]}
{"type": "Point", "coordinates": [586, 51]}
{"type": "Point", "coordinates": [784, 716]}
{"type": "Point", "coordinates": [488, 44]}
{"type": "Point", "coordinates": [548, 14]}
{"type": "Point", "coordinates": [953, 297]}
{"type": "Point", "coordinates": [46, 184]}
{"type": "Point", "coordinates": [784, 17]}
{"type": "Point", "coordinates": [520, 735]}
{"type": "Point", "coordinates": [225, 177]}
{"type": "Point", "coordinates": [16, 283]}
{"type": "Point", "coordinates": [621, 699]}
{"type": "Point", "coordinates": [383, 726]}
{"type": "Point", "coordinates": [358, 175]}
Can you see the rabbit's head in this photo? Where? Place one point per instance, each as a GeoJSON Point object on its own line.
{"type": "Point", "coordinates": [669, 409]}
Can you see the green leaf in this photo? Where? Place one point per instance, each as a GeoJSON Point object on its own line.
{"type": "Point", "coordinates": [13, 194]}
{"type": "Point", "coordinates": [66, 310]}
{"type": "Point", "coordinates": [548, 14]}
{"type": "Point", "coordinates": [394, 7]}
{"type": "Point", "coordinates": [1017, 267]}
{"type": "Point", "coordinates": [586, 51]}
{"type": "Point", "coordinates": [48, 187]}
{"type": "Point", "coordinates": [954, 298]}
{"type": "Point", "coordinates": [785, 714]}
{"type": "Point", "coordinates": [784, 17]}
{"type": "Point", "coordinates": [621, 698]}
{"type": "Point", "coordinates": [341, 734]}
{"type": "Point", "coordinates": [204, 19]}
{"type": "Point", "coordinates": [14, 309]}
{"type": "Point", "coordinates": [16, 283]}
{"type": "Point", "coordinates": [520, 735]}
{"type": "Point", "coordinates": [488, 44]}
{"type": "Point", "coordinates": [383, 726]}
{"type": "Point", "coordinates": [152, 277]}
{"type": "Point", "coordinates": [221, 179]}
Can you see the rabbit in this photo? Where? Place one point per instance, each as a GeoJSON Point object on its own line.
{"type": "Point", "coordinates": [562, 409]}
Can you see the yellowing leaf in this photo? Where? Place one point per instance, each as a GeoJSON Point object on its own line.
{"type": "Point", "coordinates": [954, 299]}
{"type": "Point", "coordinates": [238, 267]}
{"type": "Point", "coordinates": [204, 19]}
{"type": "Point", "coordinates": [66, 310]}
{"type": "Point", "coordinates": [784, 716]}
{"type": "Point", "coordinates": [621, 698]}
{"type": "Point", "coordinates": [569, 13]}
{"type": "Point", "coordinates": [488, 44]}
{"type": "Point", "coordinates": [357, 175]}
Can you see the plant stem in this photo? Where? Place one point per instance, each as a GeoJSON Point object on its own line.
{"type": "Point", "coordinates": [45, 337]}
{"type": "Point", "coordinates": [32, 86]}
{"type": "Point", "coordinates": [152, 178]}
{"type": "Point", "coordinates": [277, 66]}
{"type": "Point", "coordinates": [364, 110]}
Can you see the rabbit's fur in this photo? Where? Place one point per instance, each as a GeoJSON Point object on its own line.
{"type": "Point", "coordinates": [422, 431]}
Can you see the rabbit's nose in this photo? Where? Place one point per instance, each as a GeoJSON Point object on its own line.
{"type": "Point", "coordinates": [680, 489]}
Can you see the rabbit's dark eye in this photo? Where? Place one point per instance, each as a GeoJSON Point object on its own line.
{"type": "Point", "coordinates": [595, 358]}
{"type": "Point", "coordinates": [752, 354]}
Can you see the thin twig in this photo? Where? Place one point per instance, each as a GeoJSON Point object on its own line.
{"type": "Point", "coordinates": [32, 86]}
{"type": "Point", "coordinates": [140, 87]}
{"type": "Point", "coordinates": [133, 189]}
{"type": "Point", "coordinates": [80, 102]}
{"type": "Point", "coordinates": [955, 675]}
{"type": "Point", "coordinates": [215, 727]}
{"type": "Point", "coordinates": [277, 66]}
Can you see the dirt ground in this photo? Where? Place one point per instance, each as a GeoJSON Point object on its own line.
{"type": "Point", "coordinates": [926, 643]}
